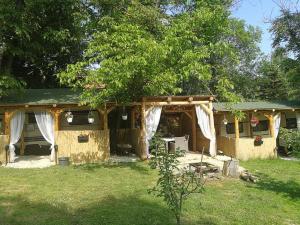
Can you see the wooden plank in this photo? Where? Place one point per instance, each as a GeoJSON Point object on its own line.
{"type": "Point", "coordinates": [271, 125]}
{"type": "Point", "coordinates": [194, 131]}
{"type": "Point", "coordinates": [236, 126]}
{"type": "Point", "coordinates": [143, 154]}
{"type": "Point", "coordinates": [250, 130]}
{"type": "Point", "coordinates": [176, 103]}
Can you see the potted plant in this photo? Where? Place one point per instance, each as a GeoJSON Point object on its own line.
{"type": "Point", "coordinates": [258, 141]}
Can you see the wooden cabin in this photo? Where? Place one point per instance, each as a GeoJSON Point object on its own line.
{"type": "Point", "coordinates": [94, 134]}
{"type": "Point", "coordinates": [236, 137]}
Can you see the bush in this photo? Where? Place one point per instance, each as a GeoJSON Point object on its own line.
{"type": "Point", "coordinates": [292, 140]}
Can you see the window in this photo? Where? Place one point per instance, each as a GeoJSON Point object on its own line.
{"type": "Point", "coordinates": [80, 117]}
{"type": "Point", "coordinates": [263, 125]}
{"type": "Point", "coordinates": [230, 128]}
{"type": "Point", "coordinates": [291, 123]}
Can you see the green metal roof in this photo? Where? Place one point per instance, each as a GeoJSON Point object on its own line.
{"type": "Point", "coordinates": [41, 97]}
{"type": "Point", "coordinates": [261, 105]}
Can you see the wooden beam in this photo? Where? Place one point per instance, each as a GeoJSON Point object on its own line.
{"type": "Point", "coordinates": [206, 109]}
{"type": "Point", "coordinates": [236, 126]}
{"type": "Point", "coordinates": [176, 103]}
{"type": "Point", "coordinates": [189, 114]}
{"type": "Point", "coordinates": [194, 132]}
{"type": "Point", "coordinates": [22, 146]}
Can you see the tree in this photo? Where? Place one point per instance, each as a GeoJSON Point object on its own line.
{"type": "Point", "coordinates": [286, 31]}
{"type": "Point", "coordinates": [145, 51]}
{"type": "Point", "coordinates": [173, 185]}
{"type": "Point", "coordinates": [39, 38]}
{"type": "Point", "coordinates": [272, 83]}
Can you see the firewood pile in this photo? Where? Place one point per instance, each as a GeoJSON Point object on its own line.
{"type": "Point", "coordinates": [247, 176]}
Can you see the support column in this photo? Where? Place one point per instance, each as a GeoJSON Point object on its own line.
{"type": "Point", "coordinates": [271, 125]}
{"type": "Point", "coordinates": [56, 114]}
{"type": "Point", "coordinates": [143, 154]}
{"type": "Point", "coordinates": [212, 123]}
{"type": "Point", "coordinates": [194, 132]}
{"type": "Point", "coordinates": [106, 132]}
{"type": "Point", "coordinates": [236, 126]}
{"type": "Point", "coordinates": [250, 130]}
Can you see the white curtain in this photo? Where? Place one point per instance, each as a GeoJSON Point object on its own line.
{"type": "Point", "coordinates": [298, 120]}
{"type": "Point", "coordinates": [45, 123]}
{"type": "Point", "coordinates": [16, 128]}
{"type": "Point", "coordinates": [277, 119]}
{"type": "Point", "coordinates": [204, 124]}
{"type": "Point", "coordinates": [152, 121]}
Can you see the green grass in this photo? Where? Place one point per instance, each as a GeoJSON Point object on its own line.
{"type": "Point", "coordinates": [117, 195]}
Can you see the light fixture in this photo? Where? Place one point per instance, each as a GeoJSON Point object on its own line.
{"type": "Point", "coordinates": [69, 117]}
{"type": "Point", "coordinates": [225, 121]}
{"type": "Point", "coordinates": [254, 121]}
{"type": "Point", "coordinates": [124, 114]}
{"type": "Point", "coordinates": [91, 118]}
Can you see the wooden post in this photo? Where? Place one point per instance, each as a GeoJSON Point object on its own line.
{"type": "Point", "coordinates": [194, 132]}
{"type": "Point", "coordinates": [212, 122]}
{"type": "Point", "coordinates": [22, 146]}
{"type": "Point", "coordinates": [236, 126]}
{"type": "Point", "coordinates": [106, 132]}
{"type": "Point", "coordinates": [143, 154]}
{"type": "Point", "coordinates": [250, 130]}
{"type": "Point", "coordinates": [271, 125]}
{"type": "Point", "coordinates": [56, 114]}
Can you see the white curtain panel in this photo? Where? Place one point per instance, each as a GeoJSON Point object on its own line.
{"type": "Point", "coordinates": [45, 123]}
{"type": "Point", "coordinates": [152, 121]}
{"type": "Point", "coordinates": [277, 119]}
{"type": "Point", "coordinates": [203, 122]}
{"type": "Point", "coordinates": [16, 128]}
{"type": "Point", "coordinates": [298, 120]}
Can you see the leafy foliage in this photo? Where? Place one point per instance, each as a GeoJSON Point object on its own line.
{"type": "Point", "coordinates": [173, 185]}
{"type": "Point", "coordinates": [38, 38]}
{"type": "Point", "coordinates": [8, 83]}
{"type": "Point", "coordinates": [145, 51]}
{"type": "Point", "coordinates": [292, 140]}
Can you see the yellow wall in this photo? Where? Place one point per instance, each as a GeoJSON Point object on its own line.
{"type": "Point", "coordinates": [97, 148]}
{"type": "Point", "coordinates": [246, 149]}
{"type": "Point", "coordinates": [227, 145]}
{"type": "Point", "coordinates": [3, 142]}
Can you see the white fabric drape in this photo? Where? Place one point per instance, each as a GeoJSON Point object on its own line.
{"type": "Point", "coordinates": [16, 128]}
{"type": "Point", "coordinates": [45, 123]}
{"type": "Point", "coordinates": [298, 120]}
{"type": "Point", "coordinates": [152, 121]}
{"type": "Point", "coordinates": [277, 119]}
{"type": "Point", "coordinates": [204, 124]}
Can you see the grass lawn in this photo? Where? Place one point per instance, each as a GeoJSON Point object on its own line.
{"type": "Point", "coordinates": [117, 195]}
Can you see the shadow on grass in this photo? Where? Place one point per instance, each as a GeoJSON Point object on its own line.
{"type": "Point", "coordinates": [290, 188]}
{"type": "Point", "coordinates": [126, 211]}
{"type": "Point", "coordinates": [131, 165]}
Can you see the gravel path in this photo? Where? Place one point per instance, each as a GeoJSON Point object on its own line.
{"type": "Point", "coordinates": [31, 161]}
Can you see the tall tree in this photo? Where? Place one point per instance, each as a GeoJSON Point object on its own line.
{"type": "Point", "coordinates": [149, 51]}
{"type": "Point", "coordinates": [286, 31]}
{"type": "Point", "coordinates": [39, 38]}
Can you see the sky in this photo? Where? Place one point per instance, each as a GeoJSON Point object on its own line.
{"type": "Point", "coordinates": [258, 13]}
